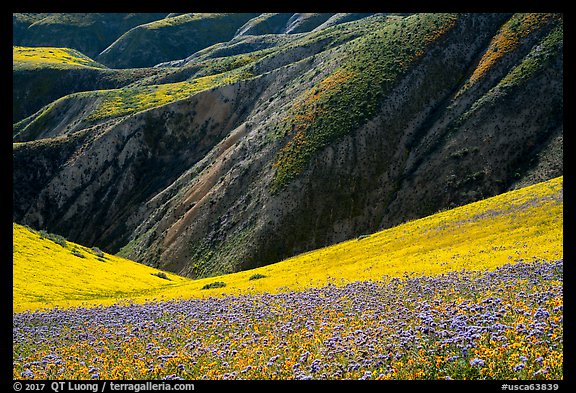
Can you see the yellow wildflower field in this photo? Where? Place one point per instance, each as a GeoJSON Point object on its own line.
{"type": "Point", "coordinates": [124, 101]}
{"type": "Point", "coordinates": [520, 225]}
{"type": "Point", "coordinates": [48, 56]}
{"type": "Point", "coordinates": [47, 274]}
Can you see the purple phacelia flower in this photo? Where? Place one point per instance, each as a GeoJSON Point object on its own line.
{"type": "Point", "coordinates": [541, 314]}
{"type": "Point", "coordinates": [519, 367]}
{"type": "Point", "coordinates": [27, 374]}
{"type": "Point", "coordinates": [477, 362]}
{"type": "Point", "coordinates": [367, 374]}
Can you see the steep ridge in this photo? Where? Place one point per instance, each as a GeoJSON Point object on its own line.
{"type": "Point", "coordinates": [317, 141]}
{"type": "Point", "coordinates": [85, 109]}
{"type": "Point", "coordinates": [286, 23]}
{"type": "Point", "coordinates": [206, 68]}
{"type": "Point", "coordinates": [267, 23]}
{"type": "Point", "coordinates": [304, 22]}
{"type": "Point", "coordinates": [342, 18]}
{"type": "Point", "coordinates": [112, 170]}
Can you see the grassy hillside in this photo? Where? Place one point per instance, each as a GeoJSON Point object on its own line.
{"type": "Point", "coordinates": [348, 97]}
{"type": "Point", "coordinates": [342, 125]}
{"type": "Point", "coordinates": [375, 63]}
{"type": "Point", "coordinates": [309, 196]}
{"type": "Point", "coordinates": [28, 57]}
{"type": "Point", "coordinates": [510, 38]}
{"type": "Point", "coordinates": [48, 270]}
{"type": "Point", "coordinates": [521, 225]}
{"type": "Point", "coordinates": [129, 100]}
{"type": "Point", "coordinates": [42, 75]}
{"type": "Point", "coordinates": [267, 23]}
{"type": "Point", "coordinates": [112, 103]}
{"type": "Point", "coordinates": [525, 224]}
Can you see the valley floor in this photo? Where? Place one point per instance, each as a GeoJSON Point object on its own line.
{"type": "Point", "coordinates": [502, 324]}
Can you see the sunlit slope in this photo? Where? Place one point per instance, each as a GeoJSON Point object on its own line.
{"type": "Point", "coordinates": [524, 224]}
{"type": "Point", "coordinates": [47, 274]}
{"type": "Point", "coordinates": [27, 57]}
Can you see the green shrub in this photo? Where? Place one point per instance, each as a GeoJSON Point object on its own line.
{"type": "Point", "coordinates": [97, 252]}
{"type": "Point", "coordinates": [215, 284]}
{"type": "Point", "coordinates": [257, 276]}
{"type": "Point", "coordinates": [60, 240]}
{"type": "Point", "coordinates": [161, 275]}
{"type": "Point", "coordinates": [77, 253]}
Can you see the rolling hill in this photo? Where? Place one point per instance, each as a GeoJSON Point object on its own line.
{"type": "Point", "coordinates": [171, 38]}
{"type": "Point", "coordinates": [48, 271]}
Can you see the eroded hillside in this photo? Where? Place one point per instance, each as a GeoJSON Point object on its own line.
{"type": "Point", "coordinates": [270, 143]}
